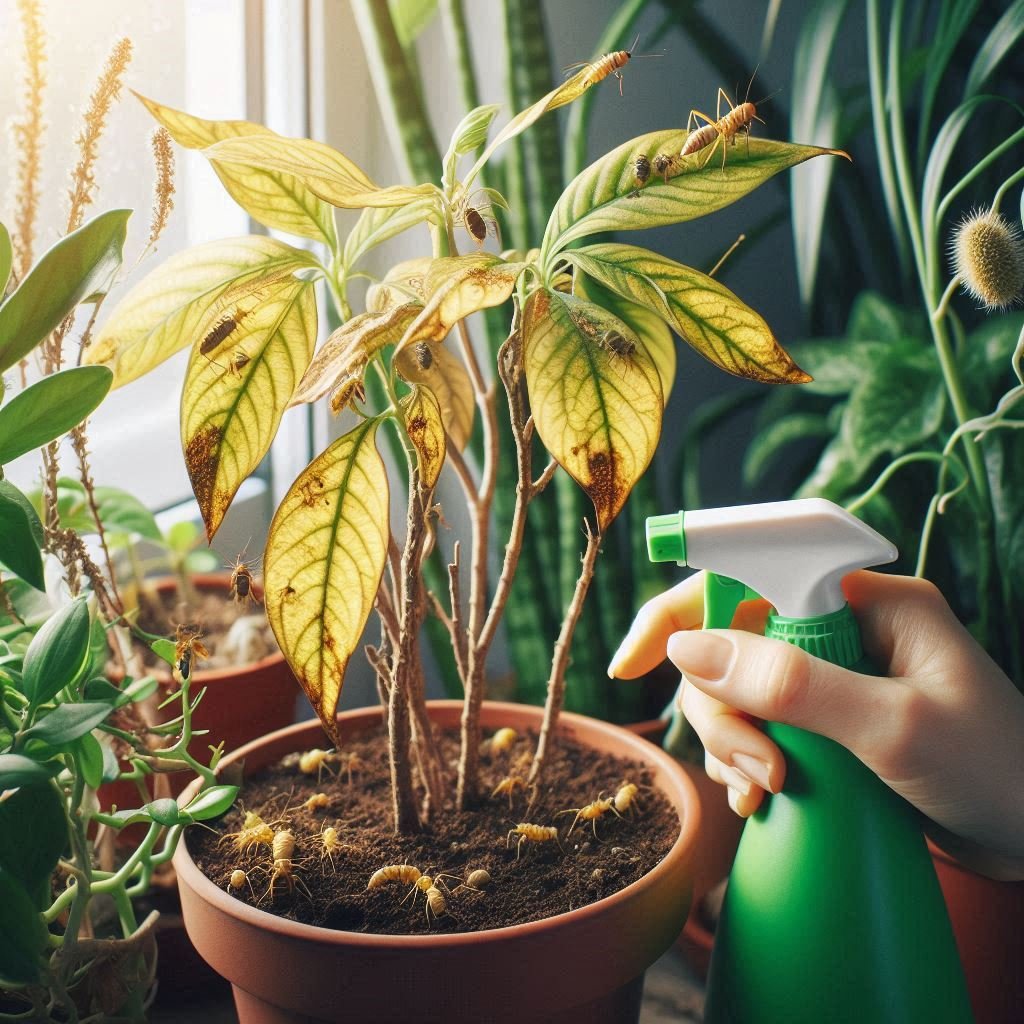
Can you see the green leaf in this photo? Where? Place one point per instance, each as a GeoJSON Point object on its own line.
{"type": "Point", "coordinates": [779, 434]}
{"type": "Point", "coordinates": [58, 654]}
{"type": "Point", "coordinates": [469, 134]}
{"type": "Point", "coordinates": [19, 549]}
{"type": "Point", "coordinates": [49, 408]}
{"type": "Point", "coordinates": [705, 314]}
{"type": "Point", "coordinates": [377, 225]}
{"type": "Point", "coordinates": [165, 650]}
{"type": "Point", "coordinates": [164, 812]}
{"type": "Point", "coordinates": [411, 17]}
{"type": "Point", "coordinates": [1000, 41]}
{"type": "Point", "coordinates": [6, 260]}
{"type": "Point", "coordinates": [985, 367]}
{"type": "Point", "coordinates": [89, 755]}
{"type": "Point", "coordinates": [605, 196]}
{"type": "Point", "coordinates": [11, 492]}
{"type": "Point", "coordinates": [17, 770]}
{"type": "Point", "coordinates": [211, 803]}
{"type": "Point", "coordinates": [79, 266]}
{"type": "Point", "coordinates": [595, 394]}
{"type": "Point", "coordinates": [875, 318]}
{"type": "Point", "coordinates": [124, 513]}
{"type": "Point", "coordinates": [66, 722]}
{"type": "Point", "coordinates": [323, 562]}
{"type": "Point", "coordinates": [838, 365]}
{"type": "Point", "coordinates": [145, 686]}
{"type": "Point", "coordinates": [33, 834]}
{"type": "Point", "coordinates": [23, 935]}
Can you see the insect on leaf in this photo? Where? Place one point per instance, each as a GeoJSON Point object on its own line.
{"type": "Point", "coordinates": [443, 373]}
{"type": "Point", "coordinates": [178, 303]}
{"type": "Point", "coordinates": [321, 168]}
{"type": "Point", "coordinates": [424, 425]}
{"type": "Point", "coordinates": [606, 196]}
{"type": "Point", "coordinates": [323, 562]}
{"type": "Point", "coordinates": [277, 200]}
{"type": "Point", "coordinates": [595, 394]}
{"type": "Point", "coordinates": [705, 314]}
{"type": "Point", "coordinates": [235, 395]}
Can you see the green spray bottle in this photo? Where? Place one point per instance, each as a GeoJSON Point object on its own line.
{"type": "Point", "coordinates": [833, 912]}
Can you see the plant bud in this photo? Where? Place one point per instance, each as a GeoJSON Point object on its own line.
{"type": "Point", "coordinates": [988, 254]}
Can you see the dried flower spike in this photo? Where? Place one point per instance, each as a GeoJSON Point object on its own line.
{"type": "Point", "coordinates": [988, 254]}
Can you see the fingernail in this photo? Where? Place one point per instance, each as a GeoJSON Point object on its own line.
{"type": "Point", "coordinates": [735, 780]}
{"type": "Point", "coordinates": [734, 799]}
{"type": "Point", "coordinates": [754, 768]}
{"type": "Point", "coordinates": [704, 656]}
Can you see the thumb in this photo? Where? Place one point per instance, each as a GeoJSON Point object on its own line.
{"type": "Point", "coordinates": [778, 682]}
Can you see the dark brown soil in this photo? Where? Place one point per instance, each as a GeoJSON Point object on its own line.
{"type": "Point", "coordinates": [544, 881]}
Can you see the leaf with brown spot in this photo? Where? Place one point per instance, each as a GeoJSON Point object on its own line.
{"type": "Point", "coordinates": [425, 428]}
{"type": "Point", "coordinates": [705, 314]}
{"type": "Point", "coordinates": [235, 395]}
{"type": "Point", "coordinates": [404, 282]}
{"type": "Point", "coordinates": [595, 395]}
{"type": "Point", "coordinates": [457, 286]}
{"type": "Point", "coordinates": [448, 381]}
{"type": "Point", "coordinates": [323, 563]}
{"type": "Point", "coordinates": [344, 355]}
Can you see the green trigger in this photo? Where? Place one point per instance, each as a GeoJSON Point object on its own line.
{"type": "Point", "coordinates": [722, 596]}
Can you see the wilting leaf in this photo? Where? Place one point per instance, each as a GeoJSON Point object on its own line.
{"type": "Point", "coordinates": [278, 200]}
{"type": "Point", "coordinates": [344, 355]}
{"type": "Point", "coordinates": [75, 269]}
{"type": "Point", "coordinates": [595, 394]}
{"type": "Point", "coordinates": [321, 168]}
{"type": "Point", "coordinates": [444, 375]}
{"type": "Point", "coordinates": [606, 196]}
{"type": "Point", "coordinates": [323, 562]}
{"type": "Point", "coordinates": [378, 224]}
{"type": "Point", "coordinates": [457, 286]}
{"type": "Point", "coordinates": [404, 282]}
{"type": "Point", "coordinates": [425, 428]}
{"type": "Point", "coordinates": [705, 314]}
{"type": "Point", "coordinates": [235, 394]}
{"type": "Point", "coordinates": [178, 303]}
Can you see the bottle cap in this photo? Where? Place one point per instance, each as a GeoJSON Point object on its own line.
{"type": "Point", "coordinates": [666, 541]}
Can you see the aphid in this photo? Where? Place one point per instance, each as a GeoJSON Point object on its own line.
{"type": "Point", "coordinates": [284, 865]}
{"type": "Point", "coordinates": [501, 741]}
{"type": "Point", "coordinates": [255, 832]}
{"type": "Point", "coordinates": [642, 171]}
{"type": "Point", "coordinates": [314, 760]}
{"type": "Point", "coordinates": [509, 785]}
{"type": "Point", "coordinates": [187, 648]}
{"type": "Point", "coordinates": [625, 797]}
{"type": "Point", "coordinates": [394, 873]}
{"type": "Point", "coordinates": [241, 582]}
{"type": "Point", "coordinates": [317, 802]}
{"type": "Point", "coordinates": [237, 880]}
{"type": "Point", "coordinates": [591, 812]}
{"type": "Point", "coordinates": [618, 345]}
{"type": "Point", "coordinates": [665, 164]}
{"type": "Point", "coordinates": [222, 330]}
{"type": "Point", "coordinates": [424, 357]}
{"type": "Point", "coordinates": [532, 834]}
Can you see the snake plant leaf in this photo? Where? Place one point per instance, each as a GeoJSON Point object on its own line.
{"type": "Point", "coordinates": [323, 562]}
{"type": "Point", "coordinates": [705, 314]}
{"type": "Point", "coordinates": [344, 355]}
{"type": "Point", "coordinates": [457, 286]}
{"type": "Point", "coordinates": [178, 303]}
{"type": "Point", "coordinates": [80, 266]}
{"type": "Point", "coordinates": [411, 17]}
{"type": "Point", "coordinates": [236, 393]}
{"type": "Point", "coordinates": [404, 282]}
{"type": "Point", "coordinates": [6, 260]}
{"type": "Point", "coordinates": [444, 375]}
{"type": "Point", "coordinates": [275, 199]}
{"type": "Point", "coordinates": [595, 394]}
{"type": "Point", "coordinates": [321, 168]}
{"type": "Point", "coordinates": [425, 427]}
{"type": "Point", "coordinates": [377, 224]}
{"type": "Point", "coordinates": [607, 197]}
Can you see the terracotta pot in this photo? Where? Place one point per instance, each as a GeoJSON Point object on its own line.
{"type": "Point", "coordinates": [586, 965]}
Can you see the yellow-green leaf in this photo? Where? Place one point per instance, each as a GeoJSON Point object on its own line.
{"type": "Point", "coordinates": [377, 224]}
{"type": "Point", "coordinates": [323, 563]}
{"type": "Point", "coordinates": [424, 425]}
{"type": "Point", "coordinates": [404, 282]}
{"type": "Point", "coordinates": [457, 286]}
{"type": "Point", "coordinates": [235, 394]}
{"type": "Point", "coordinates": [595, 395]}
{"type": "Point", "coordinates": [607, 197]}
{"type": "Point", "coordinates": [277, 200]}
{"type": "Point", "coordinates": [346, 352]}
{"type": "Point", "coordinates": [442, 372]}
{"type": "Point", "coordinates": [321, 168]}
{"type": "Point", "coordinates": [705, 314]}
{"type": "Point", "coordinates": [177, 304]}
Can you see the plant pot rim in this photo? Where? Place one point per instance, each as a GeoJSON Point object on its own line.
{"type": "Point", "coordinates": [683, 846]}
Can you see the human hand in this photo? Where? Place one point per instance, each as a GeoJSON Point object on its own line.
{"type": "Point", "coordinates": [944, 728]}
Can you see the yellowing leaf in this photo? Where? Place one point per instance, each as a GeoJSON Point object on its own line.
{"type": "Point", "coordinates": [177, 304]}
{"type": "Point", "coordinates": [457, 286]}
{"type": "Point", "coordinates": [377, 224]}
{"type": "Point", "coordinates": [323, 562]}
{"type": "Point", "coordinates": [705, 314]}
{"type": "Point", "coordinates": [321, 168]}
{"type": "Point", "coordinates": [443, 374]}
{"type": "Point", "coordinates": [595, 395]}
{"type": "Point", "coordinates": [404, 282]}
{"type": "Point", "coordinates": [425, 428]}
{"type": "Point", "coordinates": [235, 394]}
{"type": "Point", "coordinates": [607, 197]}
{"type": "Point", "coordinates": [346, 352]}
{"type": "Point", "coordinates": [277, 200]}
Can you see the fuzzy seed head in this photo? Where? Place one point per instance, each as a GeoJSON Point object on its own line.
{"type": "Point", "coordinates": [988, 254]}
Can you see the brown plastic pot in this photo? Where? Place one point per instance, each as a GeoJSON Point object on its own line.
{"type": "Point", "coordinates": [584, 966]}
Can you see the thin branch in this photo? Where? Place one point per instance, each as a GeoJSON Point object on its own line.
{"type": "Point", "coordinates": [455, 595]}
{"type": "Point", "coordinates": [545, 478]}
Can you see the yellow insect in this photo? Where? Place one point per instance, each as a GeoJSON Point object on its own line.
{"type": "Point", "coordinates": [591, 812]}
{"type": "Point", "coordinates": [317, 802]}
{"type": "Point", "coordinates": [509, 785]}
{"type": "Point", "coordinates": [719, 130]}
{"type": "Point", "coordinates": [477, 880]}
{"type": "Point", "coordinates": [237, 880]}
{"type": "Point", "coordinates": [284, 865]}
{"type": "Point", "coordinates": [315, 760]}
{"type": "Point", "coordinates": [609, 64]}
{"type": "Point", "coordinates": [625, 797]}
{"type": "Point", "coordinates": [330, 844]}
{"type": "Point", "coordinates": [394, 873]}
{"type": "Point", "coordinates": [347, 393]}
{"type": "Point", "coordinates": [532, 834]}
{"type": "Point", "coordinates": [187, 647]}
{"type": "Point", "coordinates": [500, 742]}
{"type": "Point", "coordinates": [254, 833]}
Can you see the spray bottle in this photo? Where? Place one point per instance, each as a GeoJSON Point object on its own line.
{"type": "Point", "coordinates": [833, 912]}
